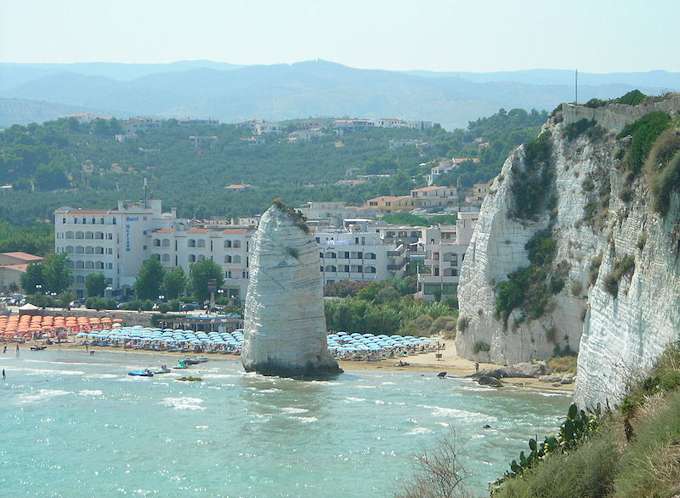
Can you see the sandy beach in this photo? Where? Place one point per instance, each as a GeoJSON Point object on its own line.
{"type": "Point", "coordinates": [450, 362]}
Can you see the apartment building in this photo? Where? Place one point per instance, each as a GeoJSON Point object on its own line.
{"type": "Point", "coordinates": [357, 252]}
{"type": "Point", "coordinates": [434, 196]}
{"type": "Point", "coordinates": [113, 242]}
{"type": "Point", "coordinates": [390, 203]}
{"type": "Point", "coordinates": [183, 244]}
{"type": "Point", "coordinates": [444, 248]}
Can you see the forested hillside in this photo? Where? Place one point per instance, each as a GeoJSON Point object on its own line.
{"type": "Point", "coordinates": [66, 162]}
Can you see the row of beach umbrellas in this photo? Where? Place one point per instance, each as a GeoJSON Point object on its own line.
{"type": "Point", "coordinates": [28, 325]}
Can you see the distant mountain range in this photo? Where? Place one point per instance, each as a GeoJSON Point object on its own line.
{"type": "Point", "coordinates": [38, 92]}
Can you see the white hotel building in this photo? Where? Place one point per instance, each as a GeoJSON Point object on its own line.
{"type": "Point", "coordinates": [444, 247]}
{"type": "Point", "coordinates": [116, 242]}
{"type": "Point", "coordinates": [357, 252]}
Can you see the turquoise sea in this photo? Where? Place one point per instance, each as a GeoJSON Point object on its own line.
{"type": "Point", "coordinates": [76, 425]}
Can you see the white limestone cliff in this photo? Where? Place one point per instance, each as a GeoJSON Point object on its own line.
{"type": "Point", "coordinates": [285, 327]}
{"type": "Point", "coordinates": [617, 337]}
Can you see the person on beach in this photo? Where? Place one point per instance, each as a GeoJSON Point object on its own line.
{"type": "Point", "coordinates": [17, 349]}
{"type": "Point", "coordinates": [476, 367]}
{"type": "Point", "coordinates": [4, 349]}
{"type": "Point", "coordinates": [3, 373]}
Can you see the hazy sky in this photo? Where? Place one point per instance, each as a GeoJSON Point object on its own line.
{"type": "Point", "coordinates": [467, 35]}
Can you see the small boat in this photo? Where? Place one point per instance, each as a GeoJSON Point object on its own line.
{"type": "Point", "coordinates": [162, 370]}
{"type": "Point", "coordinates": [38, 348]}
{"type": "Point", "coordinates": [141, 373]}
{"type": "Point", "coordinates": [181, 365]}
{"type": "Point", "coordinates": [194, 360]}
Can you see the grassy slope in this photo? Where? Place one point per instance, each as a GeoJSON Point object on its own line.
{"type": "Point", "coordinates": [609, 465]}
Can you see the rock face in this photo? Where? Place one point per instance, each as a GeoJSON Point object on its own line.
{"type": "Point", "coordinates": [285, 327]}
{"type": "Point", "coordinates": [597, 218]}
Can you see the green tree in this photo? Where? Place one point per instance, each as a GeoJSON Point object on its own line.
{"type": "Point", "coordinates": [149, 279]}
{"type": "Point", "coordinates": [51, 176]}
{"type": "Point", "coordinates": [57, 273]}
{"type": "Point", "coordinates": [33, 277]}
{"type": "Point", "coordinates": [201, 273]}
{"type": "Point", "coordinates": [174, 283]}
{"type": "Point", "coordinates": [95, 283]}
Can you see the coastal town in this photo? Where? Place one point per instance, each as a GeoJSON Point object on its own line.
{"type": "Point", "coordinates": [328, 249]}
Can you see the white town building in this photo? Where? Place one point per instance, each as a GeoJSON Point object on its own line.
{"type": "Point", "coordinates": [444, 247]}
{"type": "Point", "coordinates": [113, 242]}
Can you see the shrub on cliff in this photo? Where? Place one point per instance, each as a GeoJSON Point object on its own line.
{"type": "Point", "coordinates": [624, 266]}
{"type": "Point", "coordinates": [662, 169]}
{"type": "Point", "coordinates": [481, 347]}
{"type": "Point", "coordinates": [644, 133]}
{"type": "Point", "coordinates": [531, 184]}
{"type": "Point", "coordinates": [530, 288]}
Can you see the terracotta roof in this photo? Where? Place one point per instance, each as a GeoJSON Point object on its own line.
{"type": "Point", "coordinates": [164, 230]}
{"type": "Point", "coordinates": [235, 231]}
{"type": "Point", "coordinates": [197, 230]}
{"type": "Point", "coordinates": [24, 256]}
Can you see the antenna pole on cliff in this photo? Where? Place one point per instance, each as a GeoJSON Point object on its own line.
{"type": "Point", "coordinates": [576, 88]}
{"type": "Point", "coordinates": [146, 192]}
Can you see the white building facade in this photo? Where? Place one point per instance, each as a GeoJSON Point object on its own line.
{"type": "Point", "coordinates": [358, 253]}
{"type": "Point", "coordinates": [113, 242]}
{"type": "Point", "coordinates": [444, 250]}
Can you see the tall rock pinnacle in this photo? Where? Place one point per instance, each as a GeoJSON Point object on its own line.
{"type": "Point", "coordinates": [285, 327]}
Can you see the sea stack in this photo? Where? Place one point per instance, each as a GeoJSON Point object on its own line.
{"type": "Point", "coordinates": [285, 326]}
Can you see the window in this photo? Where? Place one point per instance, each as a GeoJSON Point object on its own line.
{"type": "Point", "coordinates": [201, 257]}
{"type": "Point", "coordinates": [80, 250]}
{"type": "Point", "coordinates": [236, 244]}
{"type": "Point", "coordinates": [89, 265]}
{"type": "Point", "coordinates": [63, 220]}
{"type": "Point", "coordinates": [200, 243]}
{"type": "Point", "coordinates": [99, 235]}
{"type": "Point", "coordinates": [89, 250]}
{"type": "Point", "coordinates": [227, 259]}
{"type": "Point", "coordinates": [69, 235]}
{"type": "Point", "coordinates": [191, 243]}
{"type": "Point", "coordinates": [157, 256]}
{"type": "Point", "coordinates": [80, 235]}
{"type": "Point", "coordinates": [109, 250]}
{"type": "Point", "coordinates": [369, 269]}
{"type": "Point", "coordinates": [89, 235]}
{"type": "Point", "coordinates": [79, 265]}
{"type": "Point", "coordinates": [101, 221]}
{"type": "Point", "coordinates": [109, 266]}
{"type": "Point", "coordinates": [114, 221]}
{"type": "Point", "coordinates": [166, 242]}
{"type": "Point", "coordinates": [156, 242]}
{"type": "Point", "coordinates": [330, 255]}
{"type": "Point", "coordinates": [192, 258]}
{"type": "Point", "coordinates": [227, 244]}
{"type": "Point", "coordinates": [321, 269]}
{"type": "Point", "coordinates": [369, 255]}
{"type": "Point", "coordinates": [84, 221]}
{"type": "Point", "coordinates": [227, 274]}
{"type": "Point", "coordinates": [166, 258]}
{"type": "Point", "coordinates": [321, 255]}
{"type": "Point", "coordinates": [99, 265]}
{"type": "Point", "coordinates": [236, 259]}
{"type": "Point", "coordinates": [94, 221]}
{"type": "Point", "coordinates": [80, 279]}
{"type": "Point", "coordinates": [69, 249]}
{"type": "Point", "coordinates": [331, 269]}
{"type": "Point", "coordinates": [109, 236]}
